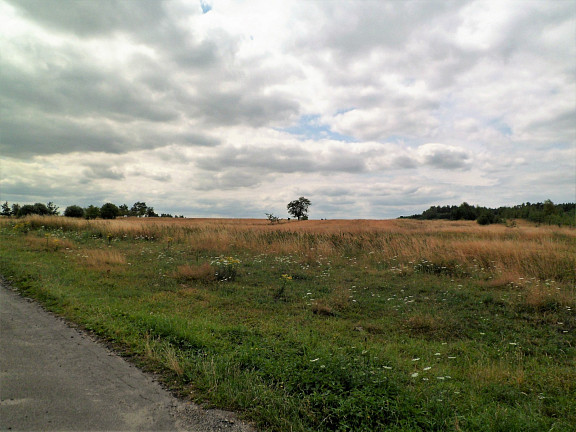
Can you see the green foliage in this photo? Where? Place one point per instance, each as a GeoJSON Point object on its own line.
{"type": "Point", "coordinates": [74, 211]}
{"type": "Point", "coordinates": [92, 212]}
{"type": "Point", "coordinates": [15, 209]}
{"type": "Point", "coordinates": [52, 208]}
{"type": "Point", "coordinates": [486, 218]}
{"type": "Point", "coordinates": [150, 212]}
{"type": "Point", "coordinates": [35, 209]}
{"type": "Point", "coordinates": [139, 209]}
{"type": "Point", "coordinates": [40, 209]}
{"type": "Point", "coordinates": [547, 212]}
{"type": "Point", "coordinates": [124, 210]}
{"type": "Point", "coordinates": [225, 268]}
{"type": "Point", "coordinates": [6, 211]}
{"type": "Point", "coordinates": [26, 209]}
{"type": "Point", "coordinates": [299, 208]}
{"type": "Point", "coordinates": [109, 211]}
{"type": "Point", "coordinates": [273, 219]}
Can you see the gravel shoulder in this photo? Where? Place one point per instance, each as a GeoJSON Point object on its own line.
{"type": "Point", "coordinates": [55, 377]}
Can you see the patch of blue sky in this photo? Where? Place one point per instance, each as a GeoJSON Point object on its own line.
{"type": "Point", "coordinates": [206, 7]}
{"type": "Point", "coordinates": [309, 127]}
{"type": "Point", "coordinates": [501, 127]}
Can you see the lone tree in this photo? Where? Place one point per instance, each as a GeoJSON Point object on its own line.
{"type": "Point", "coordinates": [299, 208]}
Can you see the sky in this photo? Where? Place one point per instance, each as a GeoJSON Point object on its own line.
{"type": "Point", "coordinates": [231, 108]}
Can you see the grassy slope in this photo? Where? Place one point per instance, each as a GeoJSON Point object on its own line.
{"type": "Point", "coordinates": [393, 325]}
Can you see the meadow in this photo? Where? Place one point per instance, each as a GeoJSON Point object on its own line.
{"type": "Point", "coordinates": [346, 325]}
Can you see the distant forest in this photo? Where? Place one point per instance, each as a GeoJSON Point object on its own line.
{"type": "Point", "coordinates": [541, 213]}
{"type": "Point", "coordinates": [107, 211]}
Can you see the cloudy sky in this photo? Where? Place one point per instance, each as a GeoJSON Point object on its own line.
{"type": "Point", "coordinates": [371, 109]}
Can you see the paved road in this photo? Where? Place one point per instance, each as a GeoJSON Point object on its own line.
{"type": "Point", "coordinates": [53, 377]}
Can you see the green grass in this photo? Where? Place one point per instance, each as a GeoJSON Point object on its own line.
{"type": "Point", "coordinates": [351, 341]}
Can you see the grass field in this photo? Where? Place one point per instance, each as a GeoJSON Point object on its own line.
{"type": "Point", "coordinates": [397, 325]}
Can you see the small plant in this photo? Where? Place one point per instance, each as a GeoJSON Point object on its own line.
{"type": "Point", "coordinates": [273, 219]}
{"type": "Point", "coordinates": [281, 293]}
{"type": "Point", "coordinates": [226, 268]}
{"type": "Point", "coordinates": [22, 227]}
{"type": "Point", "coordinates": [169, 240]}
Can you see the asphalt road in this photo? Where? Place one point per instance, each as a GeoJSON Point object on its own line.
{"type": "Point", "coordinates": [54, 377]}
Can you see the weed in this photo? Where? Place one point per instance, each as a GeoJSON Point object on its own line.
{"type": "Point", "coordinates": [226, 268]}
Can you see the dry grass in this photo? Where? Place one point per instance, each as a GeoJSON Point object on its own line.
{"type": "Point", "coordinates": [525, 251]}
{"type": "Point", "coordinates": [497, 373]}
{"type": "Point", "coordinates": [204, 273]}
{"type": "Point", "coordinates": [172, 360]}
{"type": "Point", "coordinates": [338, 301]}
{"type": "Point", "coordinates": [430, 326]}
{"type": "Point", "coordinates": [49, 243]}
{"type": "Point", "coordinates": [536, 297]}
{"type": "Point", "coordinates": [102, 259]}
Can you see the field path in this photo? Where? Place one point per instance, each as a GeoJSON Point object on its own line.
{"type": "Point", "coordinates": [54, 377]}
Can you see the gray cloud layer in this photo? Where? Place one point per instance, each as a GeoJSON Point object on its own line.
{"type": "Point", "coordinates": [431, 101]}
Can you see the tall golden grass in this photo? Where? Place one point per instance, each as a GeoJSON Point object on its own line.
{"type": "Point", "coordinates": [507, 254]}
{"type": "Point", "coordinates": [102, 259]}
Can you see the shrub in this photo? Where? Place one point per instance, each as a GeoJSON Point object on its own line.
{"type": "Point", "coordinates": [486, 218]}
{"type": "Point", "coordinates": [226, 268]}
{"type": "Point", "coordinates": [36, 209]}
{"type": "Point", "coordinates": [74, 211]}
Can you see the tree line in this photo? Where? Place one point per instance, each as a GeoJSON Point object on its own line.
{"type": "Point", "coordinates": [106, 211]}
{"type": "Point", "coordinates": [541, 213]}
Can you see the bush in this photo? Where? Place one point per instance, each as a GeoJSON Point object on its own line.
{"type": "Point", "coordinates": [74, 211]}
{"type": "Point", "coordinates": [486, 218]}
{"type": "Point", "coordinates": [25, 210]}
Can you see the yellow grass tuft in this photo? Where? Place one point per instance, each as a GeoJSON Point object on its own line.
{"type": "Point", "coordinates": [431, 326]}
{"type": "Point", "coordinates": [547, 298]}
{"type": "Point", "coordinates": [338, 301]}
{"type": "Point", "coordinates": [49, 243]}
{"type": "Point", "coordinates": [204, 273]}
{"type": "Point", "coordinates": [102, 259]}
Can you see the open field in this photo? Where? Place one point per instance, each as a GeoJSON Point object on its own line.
{"type": "Point", "coordinates": [399, 325]}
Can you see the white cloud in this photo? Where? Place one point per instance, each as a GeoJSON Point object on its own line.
{"type": "Point", "coordinates": [373, 109]}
